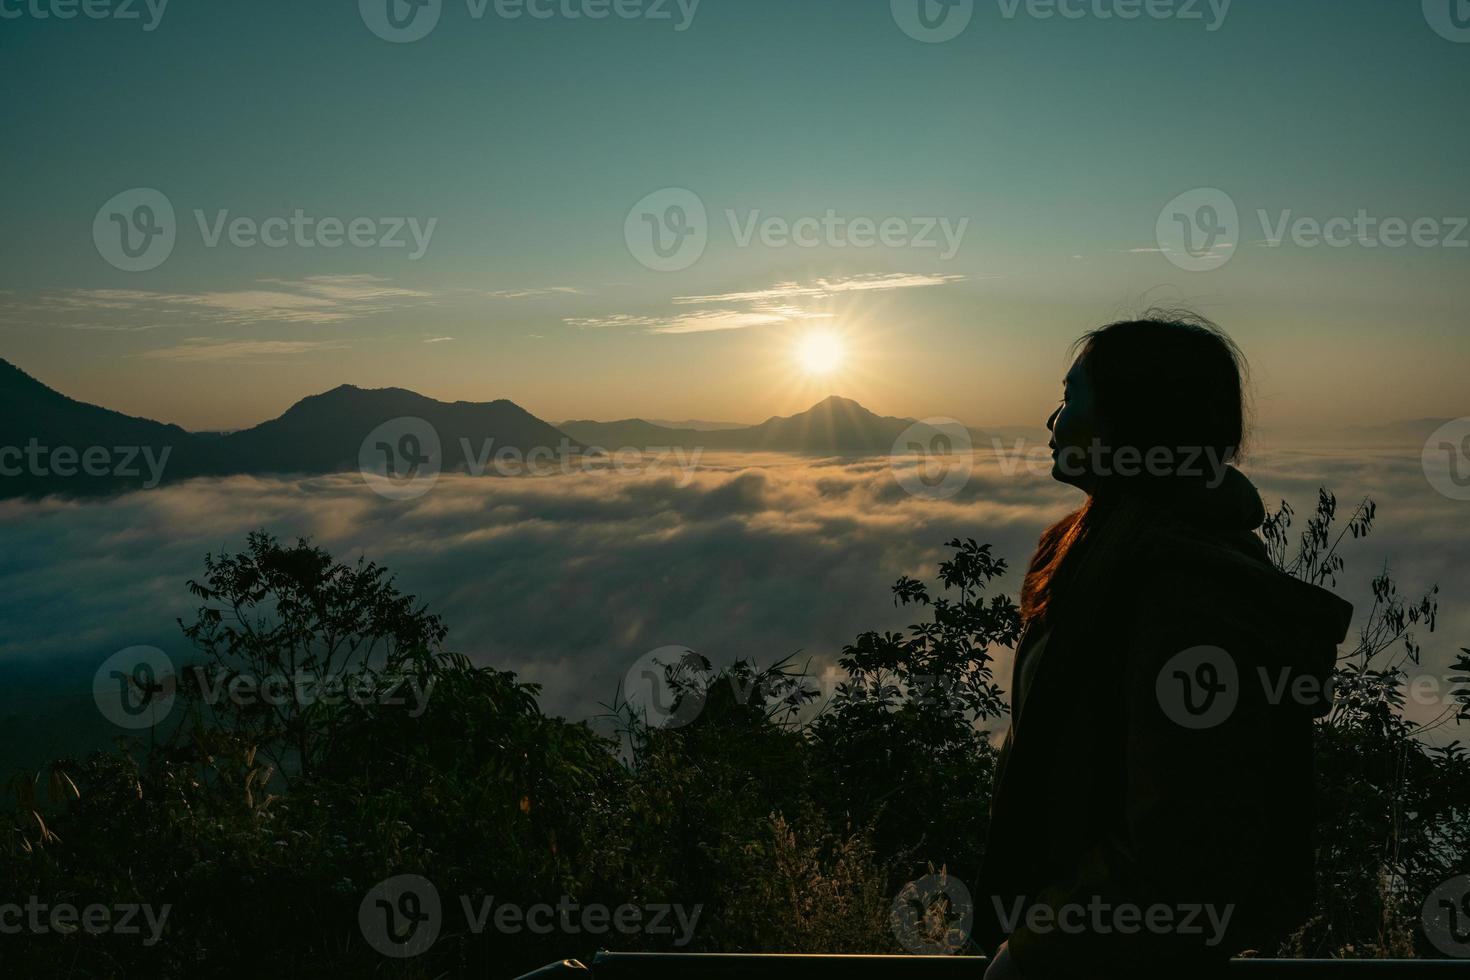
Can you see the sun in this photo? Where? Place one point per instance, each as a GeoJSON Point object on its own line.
{"type": "Point", "coordinates": [820, 354]}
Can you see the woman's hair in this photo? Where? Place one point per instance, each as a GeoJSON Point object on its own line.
{"type": "Point", "coordinates": [1170, 380]}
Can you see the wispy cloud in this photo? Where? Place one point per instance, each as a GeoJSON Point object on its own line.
{"type": "Point", "coordinates": [614, 320]}
{"type": "Point", "coordinates": [702, 321]}
{"type": "Point", "coordinates": [529, 293]}
{"type": "Point", "coordinates": [787, 291]}
{"type": "Point", "coordinates": [708, 320]}
{"type": "Point", "coordinates": [205, 349]}
{"type": "Point", "coordinates": [314, 299]}
{"type": "Point", "coordinates": [1164, 250]}
{"type": "Point", "coordinates": [437, 340]}
{"type": "Point", "coordinates": [764, 307]}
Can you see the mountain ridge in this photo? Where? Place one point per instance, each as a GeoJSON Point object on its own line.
{"type": "Point", "coordinates": [51, 443]}
{"type": "Point", "coordinates": [325, 432]}
{"type": "Point", "coordinates": [834, 425]}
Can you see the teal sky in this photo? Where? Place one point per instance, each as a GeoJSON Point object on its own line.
{"type": "Point", "coordinates": [528, 141]}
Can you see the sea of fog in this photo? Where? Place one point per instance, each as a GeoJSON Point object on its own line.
{"type": "Point", "coordinates": [569, 578]}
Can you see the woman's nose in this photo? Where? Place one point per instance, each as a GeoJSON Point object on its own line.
{"type": "Point", "coordinates": [1051, 420]}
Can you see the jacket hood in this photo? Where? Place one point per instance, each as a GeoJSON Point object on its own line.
{"type": "Point", "coordinates": [1210, 546]}
{"type": "Point", "coordinates": [1304, 625]}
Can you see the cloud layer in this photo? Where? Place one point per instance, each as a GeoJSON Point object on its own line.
{"type": "Point", "coordinates": [569, 578]}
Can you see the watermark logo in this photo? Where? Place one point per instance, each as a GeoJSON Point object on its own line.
{"type": "Point", "coordinates": [942, 457]}
{"type": "Point", "coordinates": [668, 687]}
{"type": "Point", "coordinates": [401, 21]}
{"type": "Point", "coordinates": [402, 458]}
{"type": "Point", "coordinates": [933, 21]}
{"type": "Point", "coordinates": [135, 688]}
{"type": "Point", "coordinates": [668, 230]}
{"type": "Point", "coordinates": [1446, 459]}
{"type": "Point", "coordinates": [1446, 917]}
{"type": "Point", "coordinates": [933, 916]}
{"type": "Point", "coordinates": [401, 917]}
{"type": "Point", "coordinates": [1198, 230]}
{"type": "Point", "coordinates": [1450, 19]}
{"type": "Point", "coordinates": [135, 230]}
{"type": "Point", "coordinates": [1199, 687]}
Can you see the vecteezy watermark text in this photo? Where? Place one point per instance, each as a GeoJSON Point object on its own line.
{"type": "Point", "coordinates": [306, 231]}
{"type": "Point", "coordinates": [88, 9]}
{"type": "Point", "coordinates": [305, 688]}
{"type": "Point", "coordinates": [119, 462]}
{"type": "Point", "coordinates": [39, 918]}
{"type": "Point", "coordinates": [937, 21]}
{"type": "Point", "coordinates": [1101, 917]}
{"type": "Point", "coordinates": [1211, 13]}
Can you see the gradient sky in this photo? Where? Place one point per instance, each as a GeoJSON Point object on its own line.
{"type": "Point", "coordinates": [528, 142]}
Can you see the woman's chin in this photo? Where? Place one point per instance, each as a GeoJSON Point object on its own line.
{"type": "Point", "coordinates": [1070, 477]}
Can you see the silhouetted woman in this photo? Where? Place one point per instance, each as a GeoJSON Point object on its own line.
{"type": "Point", "coordinates": [1153, 809]}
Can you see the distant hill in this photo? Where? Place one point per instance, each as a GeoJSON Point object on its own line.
{"type": "Point", "coordinates": [630, 432]}
{"type": "Point", "coordinates": [688, 425]}
{"type": "Point", "coordinates": [699, 424]}
{"type": "Point", "coordinates": [52, 444]}
{"type": "Point", "coordinates": [324, 433]}
{"type": "Point", "coordinates": [835, 425]}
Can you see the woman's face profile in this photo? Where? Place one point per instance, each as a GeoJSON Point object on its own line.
{"type": "Point", "coordinates": [1073, 428]}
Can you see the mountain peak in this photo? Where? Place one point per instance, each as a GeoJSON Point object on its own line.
{"type": "Point", "coordinates": [837, 401]}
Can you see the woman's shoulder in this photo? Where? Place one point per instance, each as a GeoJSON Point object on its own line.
{"type": "Point", "coordinates": [1213, 578]}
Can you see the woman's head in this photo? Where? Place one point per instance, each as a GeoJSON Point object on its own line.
{"type": "Point", "coordinates": [1147, 397]}
{"type": "Point", "coordinates": [1147, 405]}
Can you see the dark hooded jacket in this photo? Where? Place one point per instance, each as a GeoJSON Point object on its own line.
{"type": "Point", "coordinates": [1153, 808]}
